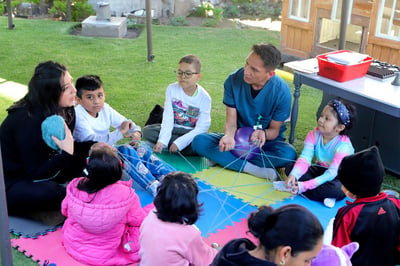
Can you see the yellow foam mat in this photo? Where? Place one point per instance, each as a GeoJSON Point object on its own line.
{"type": "Point", "coordinates": [255, 191]}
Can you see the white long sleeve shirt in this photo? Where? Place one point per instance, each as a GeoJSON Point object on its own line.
{"type": "Point", "coordinates": [181, 110]}
{"type": "Point", "coordinates": [97, 128]}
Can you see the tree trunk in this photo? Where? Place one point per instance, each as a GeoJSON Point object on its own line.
{"type": "Point", "coordinates": [41, 8]}
{"type": "Point", "coordinates": [150, 56]}
{"type": "Point", "coordinates": [10, 15]}
{"type": "Point", "coordinates": [68, 15]}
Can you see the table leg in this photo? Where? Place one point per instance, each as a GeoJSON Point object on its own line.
{"type": "Point", "coordinates": [295, 110]}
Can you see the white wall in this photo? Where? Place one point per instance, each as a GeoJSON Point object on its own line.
{"type": "Point", "coordinates": [161, 8]}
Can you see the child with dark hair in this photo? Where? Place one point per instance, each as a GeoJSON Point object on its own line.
{"type": "Point", "coordinates": [103, 213]}
{"type": "Point", "coordinates": [290, 235]}
{"type": "Point", "coordinates": [94, 117]}
{"type": "Point", "coordinates": [329, 144]}
{"type": "Point", "coordinates": [187, 111]}
{"type": "Point", "coordinates": [373, 219]}
{"type": "Point", "coordinates": [168, 235]}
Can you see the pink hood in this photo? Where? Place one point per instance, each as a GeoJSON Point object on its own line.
{"type": "Point", "coordinates": [96, 223]}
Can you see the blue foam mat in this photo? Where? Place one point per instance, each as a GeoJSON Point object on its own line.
{"type": "Point", "coordinates": [28, 228]}
{"type": "Point", "coordinates": [323, 213]}
{"type": "Point", "coordinates": [144, 196]}
{"type": "Point", "coordinates": [190, 164]}
{"type": "Point", "coordinates": [219, 208]}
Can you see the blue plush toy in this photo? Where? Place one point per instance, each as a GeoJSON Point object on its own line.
{"type": "Point", "coordinates": [53, 126]}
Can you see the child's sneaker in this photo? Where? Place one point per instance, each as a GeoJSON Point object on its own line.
{"type": "Point", "coordinates": [153, 187]}
{"type": "Point", "coordinates": [329, 202]}
{"type": "Point", "coordinates": [281, 186]}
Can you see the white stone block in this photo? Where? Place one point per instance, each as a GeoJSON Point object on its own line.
{"type": "Point", "coordinates": [115, 27]}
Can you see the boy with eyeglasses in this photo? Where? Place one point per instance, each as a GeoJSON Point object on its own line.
{"type": "Point", "coordinates": [186, 112]}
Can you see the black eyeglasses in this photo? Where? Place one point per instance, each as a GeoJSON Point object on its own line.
{"type": "Point", "coordinates": [187, 74]}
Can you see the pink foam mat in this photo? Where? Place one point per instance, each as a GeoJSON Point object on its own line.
{"type": "Point", "coordinates": [237, 230]}
{"type": "Point", "coordinates": [46, 249]}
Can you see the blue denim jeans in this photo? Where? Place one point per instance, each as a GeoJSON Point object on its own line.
{"type": "Point", "coordinates": [275, 153]}
{"type": "Point", "coordinates": [142, 165]}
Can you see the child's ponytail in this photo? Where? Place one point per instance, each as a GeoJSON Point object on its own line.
{"type": "Point", "coordinates": [103, 168]}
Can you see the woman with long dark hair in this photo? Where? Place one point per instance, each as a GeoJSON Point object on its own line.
{"type": "Point", "coordinates": [34, 172]}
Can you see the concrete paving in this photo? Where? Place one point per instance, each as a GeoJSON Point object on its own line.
{"type": "Point", "coordinates": [12, 90]}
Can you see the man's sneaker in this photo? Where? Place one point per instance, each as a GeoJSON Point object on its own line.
{"type": "Point", "coordinates": [329, 202]}
{"type": "Point", "coordinates": [154, 186]}
{"type": "Point", "coordinates": [211, 163]}
{"type": "Point", "coordinates": [271, 174]}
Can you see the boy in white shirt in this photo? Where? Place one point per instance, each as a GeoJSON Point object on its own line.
{"type": "Point", "coordinates": [186, 113]}
{"type": "Point", "coordinates": [94, 118]}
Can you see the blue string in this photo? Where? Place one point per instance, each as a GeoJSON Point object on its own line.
{"type": "Point", "coordinates": [47, 179]}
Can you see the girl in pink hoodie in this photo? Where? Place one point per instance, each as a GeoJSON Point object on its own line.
{"type": "Point", "coordinates": [103, 213]}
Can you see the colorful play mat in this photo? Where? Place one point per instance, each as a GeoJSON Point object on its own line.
{"type": "Point", "coordinates": [228, 198]}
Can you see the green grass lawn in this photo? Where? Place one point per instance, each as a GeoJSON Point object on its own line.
{"type": "Point", "coordinates": [133, 85]}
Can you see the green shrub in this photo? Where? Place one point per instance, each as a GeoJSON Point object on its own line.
{"type": "Point", "coordinates": [204, 10]}
{"type": "Point", "coordinates": [218, 13]}
{"type": "Point", "coordinates": [252, 9]}
{"type": "Point", "coordinates": [3, 8]}
{"type": "Point", "coordinates": [242, 1]}
{"type": "Point", "coordinates": [59, 9]}
{"type": "Point", "coordinates": [14, 4]}
{"type": "Point", "coordinates": [80, 10]}
{"type": "Point", "coordinates": [178, 21]}
{"type": "Point", "coordinates": [155, 21]}
{"type": "Point", "coordinates": [210, 22]}
{"type": "Point", "coordinates": [136, 26]}
{"type": "Point", "coordinates": [231, 11]}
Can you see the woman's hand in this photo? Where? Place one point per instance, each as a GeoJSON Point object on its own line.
{"type": "Point", "coordinates": [67, 144]}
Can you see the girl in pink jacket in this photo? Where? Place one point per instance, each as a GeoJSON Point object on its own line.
{"type": "Point", "coordinates": [103, 213]}
{"type": "Point", "coordinates": [168, 235]}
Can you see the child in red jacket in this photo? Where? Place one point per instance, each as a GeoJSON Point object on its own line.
{"type": "Point", "coordinates": [373, 219]}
